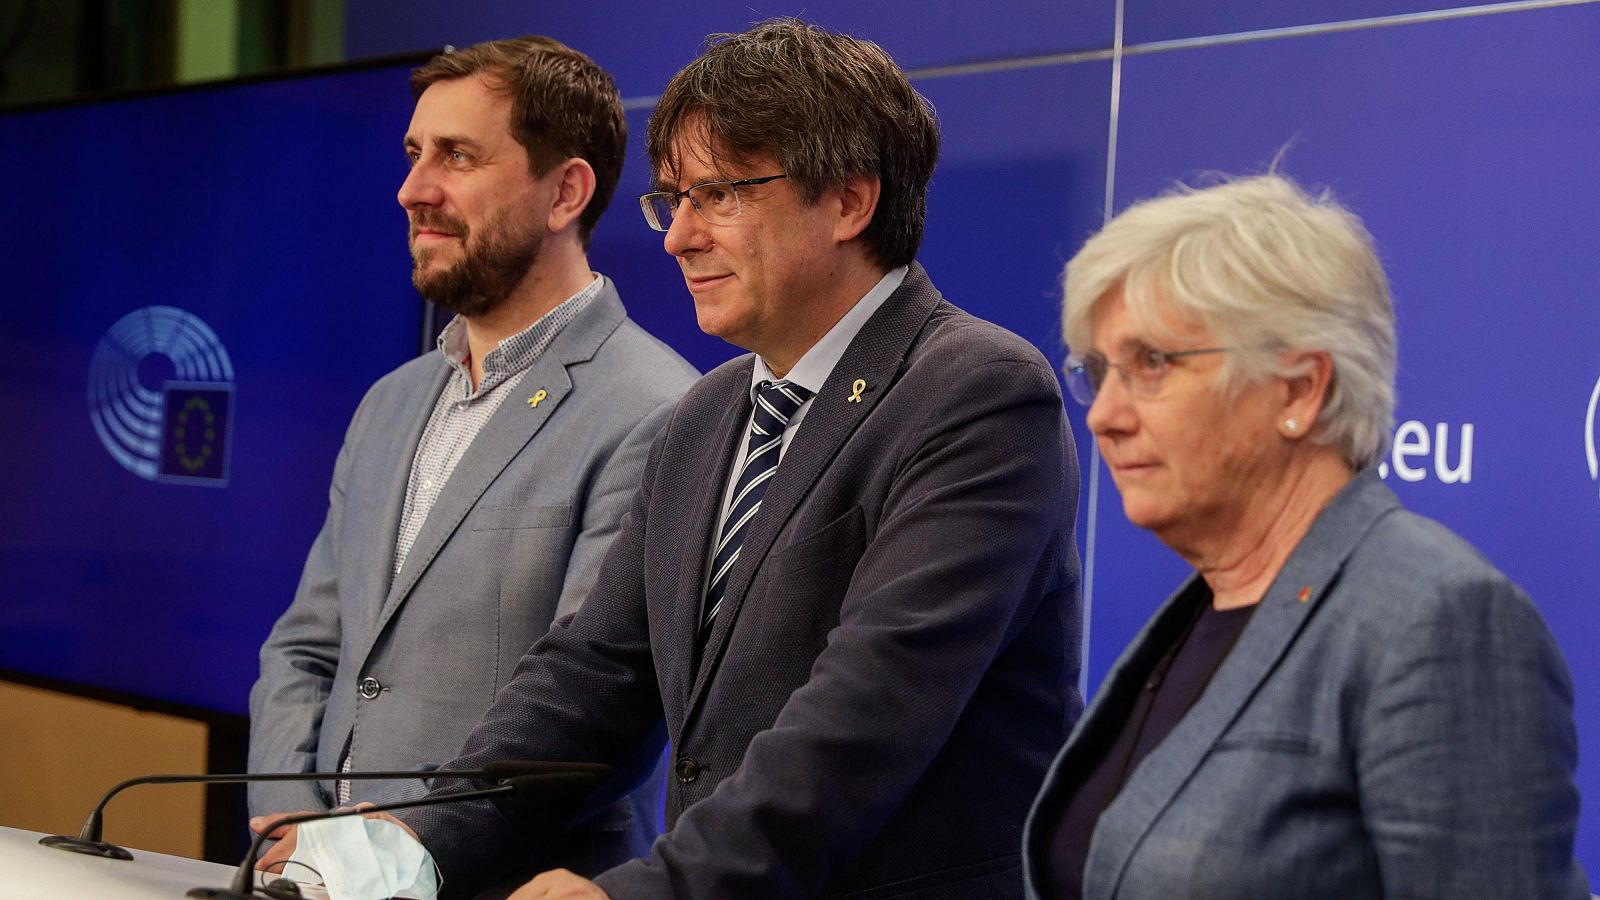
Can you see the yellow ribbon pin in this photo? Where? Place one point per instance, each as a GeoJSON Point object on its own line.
{"type": "Point", "coordinates": [856, 389]}
{"type": "Point", "coordinates": [537, 398]}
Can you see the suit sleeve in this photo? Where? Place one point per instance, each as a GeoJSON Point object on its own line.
{"type": "Point", "coordinates": [1466, 752]}
{"type": "Point", "coordinates": [586, 692]}
{"type": "Point", "coordinates": [604, 505]}
{"type": "Point", "coordinates": [968, 540]}
{"type": "Point", "coordinates": [298, 662]}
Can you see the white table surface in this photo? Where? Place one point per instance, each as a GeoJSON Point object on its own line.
{"type": "Point", "coordinates": [29, 871]}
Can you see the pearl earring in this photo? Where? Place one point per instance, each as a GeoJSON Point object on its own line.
{"type": "Point", "coordinates": [1291, 425]}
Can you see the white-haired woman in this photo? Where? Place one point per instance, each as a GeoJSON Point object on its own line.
{"type": "Point", "coordinates": [1345, 700]}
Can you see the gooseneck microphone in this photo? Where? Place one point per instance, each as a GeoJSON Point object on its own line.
{"type": "Point", "coordinates": [89, 837]}
{"type": "Point", "coordinates": [549, 778]}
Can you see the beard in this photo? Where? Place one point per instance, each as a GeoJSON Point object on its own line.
{"type": "Point", "coordinates": [495, 260]}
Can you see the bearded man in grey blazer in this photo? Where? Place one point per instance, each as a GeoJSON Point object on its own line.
{"type": "Point", "coordinates": [478, 487]}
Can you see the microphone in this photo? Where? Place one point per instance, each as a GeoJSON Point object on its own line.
{"type": "Point", "coordinates": [89, 839]}
{"type": "Point", "coordinates": [547, 777]}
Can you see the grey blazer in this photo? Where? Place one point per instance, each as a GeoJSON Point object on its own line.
{"type": "Point", "coordinates": [896, 657]}
{"type": "Point", "coordinates": [400, 669]}
{"type": "Point", "coordinates": [1395, 721]}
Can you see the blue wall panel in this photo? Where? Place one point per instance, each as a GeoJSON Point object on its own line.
{"type": "Point", "coordinates": [1019, 185]}
{"type": "Point", "coordinates": [1466, 147]}
{"type": "Point", "coordinates": [269, 212]}
{"type": "Point", "coordinates": [643, 44]}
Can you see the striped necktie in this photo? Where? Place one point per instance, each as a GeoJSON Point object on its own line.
{"type": "Point", "coordinates": [776, 404]}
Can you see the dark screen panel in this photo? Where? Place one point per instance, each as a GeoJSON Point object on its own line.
{"type": "Point", "coordinates": [264, 212]}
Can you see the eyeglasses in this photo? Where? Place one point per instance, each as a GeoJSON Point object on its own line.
{"type": "Point", "coordinates": [716, 201]}
{"type": "Point", "coordinates": [1141, 371]}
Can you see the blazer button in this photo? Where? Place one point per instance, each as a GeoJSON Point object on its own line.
{"type": "Point", "coordinates": [687, 769]}
{"type": "Point", "coordinates": [369, 687]}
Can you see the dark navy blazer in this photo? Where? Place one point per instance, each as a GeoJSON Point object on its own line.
{"type": "Point", "coordinates": [896, 657]}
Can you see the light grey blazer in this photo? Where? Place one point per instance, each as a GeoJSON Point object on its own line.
{"type": "Point", "coordinates": [1395, 721]}
{"type": "Point", "coordinates": [513, 542]}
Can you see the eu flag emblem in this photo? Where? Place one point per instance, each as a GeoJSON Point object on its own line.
{"type": "Point", "coordinates": [195, 430]}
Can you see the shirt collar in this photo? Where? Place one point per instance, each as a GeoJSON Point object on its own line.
{"type": "Point", "coordinates": [520, 350]}
{"type": "Point", "coordinates": [814, 367]}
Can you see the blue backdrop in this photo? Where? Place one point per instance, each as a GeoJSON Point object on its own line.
{"type": "Point", "coordinates": [268, 213]}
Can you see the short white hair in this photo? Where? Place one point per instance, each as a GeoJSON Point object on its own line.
{"type": "Point", "coordinates": [1265, 267]}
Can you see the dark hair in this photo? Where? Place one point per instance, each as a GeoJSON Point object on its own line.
{"type": "Point", "coordinates": [563, 105]}
{"type": "Point", "coordinates": [827, 106]}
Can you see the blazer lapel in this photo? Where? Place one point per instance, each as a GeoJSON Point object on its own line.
{"type": "Point", "coordinates": [506, 433]}
{"type": "Point", "coordinates": [1106, 712]}
{"type": "Point", "coordinates": [399, 455]}
{"type": "Point", "coordinates": [874, 356]}
{"type": "Point", "coordinates": [711, 469]}
{"type": "Point", "coordinates": [1293, 598]}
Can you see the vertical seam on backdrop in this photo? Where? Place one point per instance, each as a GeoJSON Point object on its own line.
{"type": "Point", "coordinates": [1092, 513]}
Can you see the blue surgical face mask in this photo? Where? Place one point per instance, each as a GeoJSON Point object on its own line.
{"type": "Point", "coordinates": [364, 859]}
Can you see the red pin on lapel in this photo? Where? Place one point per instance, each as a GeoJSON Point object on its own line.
{"type": "Point", "coordinates": [1304, 595]}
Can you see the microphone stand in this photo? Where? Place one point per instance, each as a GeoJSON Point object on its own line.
{"type": "Point", "coordinates": [244, 878]}
{"type": "Point", "coordinates": [89, 840]}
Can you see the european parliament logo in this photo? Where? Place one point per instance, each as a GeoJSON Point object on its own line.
{"type": "Point", "coordinates": [161, 397]}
